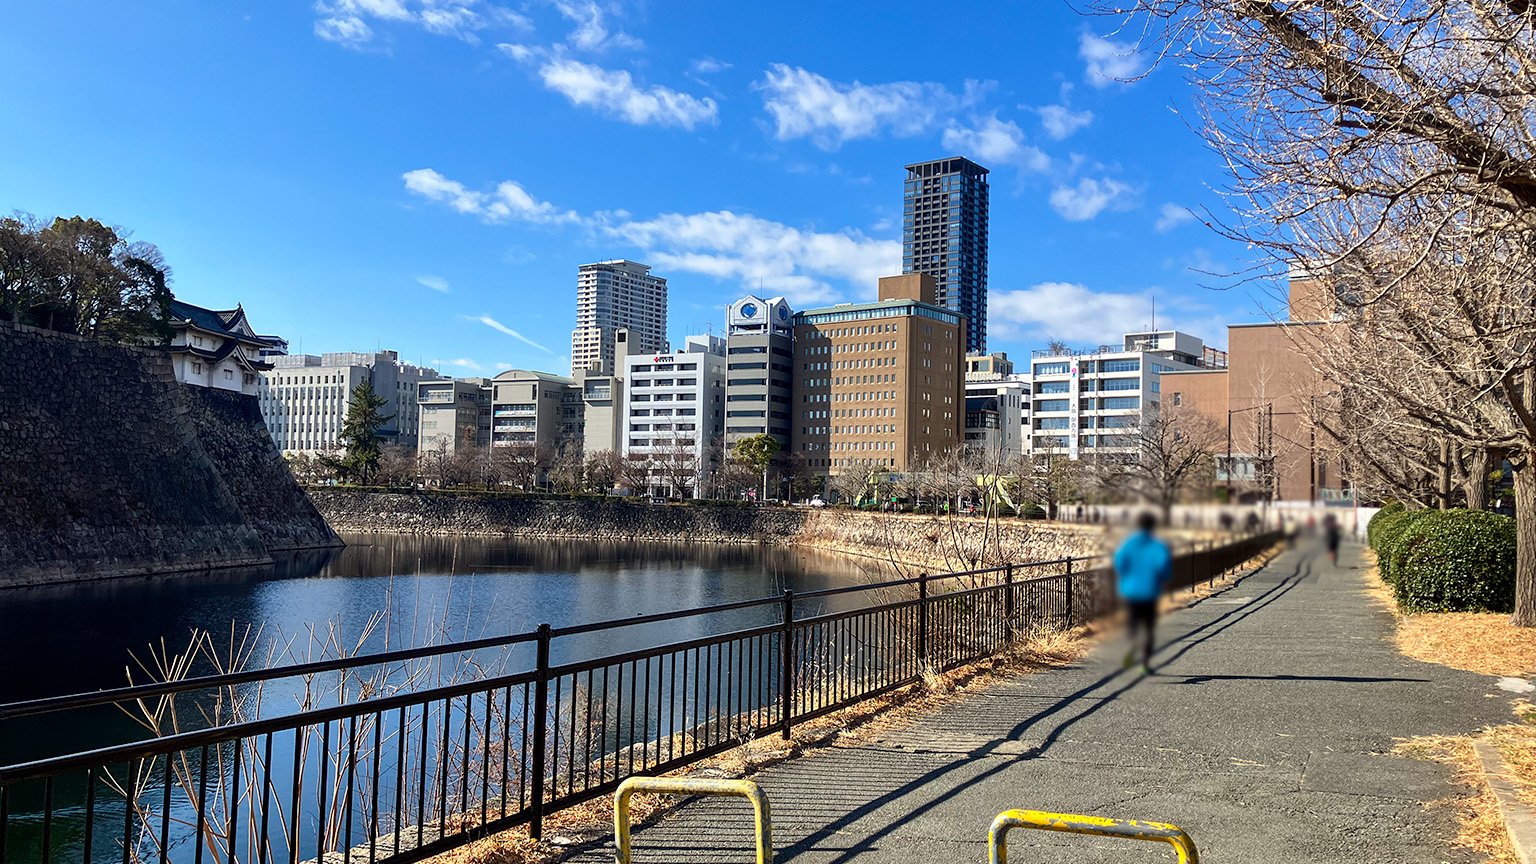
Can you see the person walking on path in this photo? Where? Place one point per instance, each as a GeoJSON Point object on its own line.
{"type": "Point", "coordinates": [1143, 565]}
{"type": "Point", "coordinates": [1331, 534]}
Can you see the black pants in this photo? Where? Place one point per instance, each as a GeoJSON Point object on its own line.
{"type": "Point", "coordinates": [1143, 617]}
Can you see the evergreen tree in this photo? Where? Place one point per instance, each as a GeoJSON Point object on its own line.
{"type": "Point", "coordinates": [361, 445]}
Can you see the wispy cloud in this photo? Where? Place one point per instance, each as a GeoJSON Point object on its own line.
{"type": "Point", "coordinates": [507, 203]}
{"type": "Point", "coordinates": [1090, 197]}
{"type": "Point", "coordinates": [708, 66]}
{"type": "Point", "coordinates": [615, 92]}
{"type": "Point", "coordinates": [592, 32]}
{"type": "Point", "coordinates": [804, 104]}
{"type": "Point", "coordinates": [1060, 121]}
{"type": "Point", "coordinates": [1107, 62]}
{"type": "Point", "coordinates": [497, 325]}
{"type": "Point", "coordinates": [1171, 216]}
{"type": "Point", "coordinates": [996, 142]}
{"type": "Point", "coordinates": [436, 283]}
{"type": "Point", "coordinates": [804, 264]}
{"type": "Point", "coordinates": [352, 23]}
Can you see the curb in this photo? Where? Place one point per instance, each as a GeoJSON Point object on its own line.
{"type": "Point", "coordinates": [1519, 820]}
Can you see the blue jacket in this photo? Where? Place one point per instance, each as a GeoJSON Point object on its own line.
{"type": "Point", "coordinates": [1143, 565]}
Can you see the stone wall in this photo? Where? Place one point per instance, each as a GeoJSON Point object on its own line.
{"type": "Point", "coordinates": [938, 543]}
{"type": "Point", "coordinates": [112, 468]}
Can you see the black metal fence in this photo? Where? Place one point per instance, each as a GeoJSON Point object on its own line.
{"type": "Point", "coordinates": [403, 773]}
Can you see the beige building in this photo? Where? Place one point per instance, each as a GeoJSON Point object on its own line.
{"type": "Point", "coordinates": [537, 409]}
{"type": "Point", "coordinates": [613, 296]}
{"type": "Point", "coordinates": [455, 412]}
{"type": "Point", "coordinates": [879, 383]}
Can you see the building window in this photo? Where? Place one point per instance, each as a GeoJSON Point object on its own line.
{"type": "Point", "coordinates": [197, 368]}
{"type": "Point", "coordinates": [1178, 399]}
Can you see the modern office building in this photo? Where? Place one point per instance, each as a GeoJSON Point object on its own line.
{"type": "Point", "coordinates": [988, 367]}
{"type": "Point", "coordinates": [218, 349]}
{"type": "Point", "coordinates": [759, 378]}
{"type": "Point", "coordinates": [944, 234]}
{"type": "Point", "coordinates": [997, 419]}
{"type": "Point", "coordinates": [1093, 401]}
{"type": "Point", "coordinates": [602, 397]}
{"type": "Point", "coordinates": [612, 296]}
{"type": "Point", "coordinates": [455, 413]}
{"type": "Point", "coordinates": [879, 384]}
{"type": "Point", "coordinates": [674, 412]}
{"type": "Point", "coordinates": [304, 398]}
{"type": "Point", "coordinates": [537, 410]}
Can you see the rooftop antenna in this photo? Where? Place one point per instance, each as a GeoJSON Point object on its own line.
{"type": "Point", "coordinates": [1154, 312]}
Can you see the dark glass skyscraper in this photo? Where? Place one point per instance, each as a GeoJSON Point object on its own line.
{"type": "Point", "coordinates": [944, 234]}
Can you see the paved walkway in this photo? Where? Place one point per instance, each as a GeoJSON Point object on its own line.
{"type": "Point", "coordinates": [1265, 733]}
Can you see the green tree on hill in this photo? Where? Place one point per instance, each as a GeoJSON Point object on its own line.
{"type": "Point", "coordinates": [361, 444]}
{"type": "Point", "coordinates": [757, 453]}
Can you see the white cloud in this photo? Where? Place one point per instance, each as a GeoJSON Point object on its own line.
{"type": "Point", "coordinates": [830, 113]}
{"type": "Point", "coordinates": [1171, 216]}
{"type": "Point", "coordinates": [759, 251]}
{"type": "Point", "coordinates": [436, 283]}
{"type": "Point", "coordinates": [509, 202]}
{"type": "Point", "coordinates": [615, 92]}
{"type": "Point", "coordinates": [1091, 197]}
{"type": "Point", "coordinates": [498, 326]}
{"type": "Point", "coordinates": [1060, 121]}
{"type": "Point", "coordinates": [708, 66]}
{"type": "Point", "coordinates": [996, 142]}
{"type": "Point", "coordinates": [592, 32]}
{"type": "Point", "coordinates": [801, 263]}
{"type": "Point", "coordinates": [1069, 311]}
{"type": "Point", "coordinates": [346, 22]}
{"type": "Point", "coordinates": [462, 363]}
{"type": "Point", "coordinates": [1109, 62]}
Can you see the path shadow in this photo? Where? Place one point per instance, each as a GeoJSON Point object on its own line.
{"type": "Point", "coordinates": [1340, 679]}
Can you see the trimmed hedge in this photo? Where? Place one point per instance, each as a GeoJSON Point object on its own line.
{"type": "Point", "coordinates": [1389, 534]}
{"type": "Point", "coordinates": [1381, 516]}
{"type": "Point", "coordinates": [1455, 561]}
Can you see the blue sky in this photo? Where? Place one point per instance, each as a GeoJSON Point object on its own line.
{"type": "Point", "coordinates": [426, 175]}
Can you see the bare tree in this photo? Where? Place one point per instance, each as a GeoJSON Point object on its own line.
{"type": "Point", "coordinates": [1173, 454]}
{"type": "Point", "coordinates": [1390, 149]}
{"type": "Point", "coordinates": [603, 470]}
{"type": "Point", "coordinates": [519, 463]}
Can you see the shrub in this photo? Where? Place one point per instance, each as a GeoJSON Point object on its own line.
{"type": "Point", "coordinates": [1456, 561]}
{"type": "Point", "coordinates": [1389, 534]}
{"type": "Point", "coordinates": [1382, 515]}
{"type": "Point", "coordinates": [1033, 511]}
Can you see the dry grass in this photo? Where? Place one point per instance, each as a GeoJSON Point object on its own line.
{"type": "Point", "coordinates": [1483, 642]}
{"type": "Point", "coordinates": [1516, 742]}
{"type": "Point", "coordinates": [1481, 827]}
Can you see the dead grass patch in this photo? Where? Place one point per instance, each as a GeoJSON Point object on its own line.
{"type": "Point", "coordinates": [1480, 826]}
{"type": "Point", "coordinates": [1483, 642]}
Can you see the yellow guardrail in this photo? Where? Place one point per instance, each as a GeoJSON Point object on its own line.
{"type": "Point", "coordinates": [1154, 832]}
{"type": "Point", "coordinates": [691, 786]}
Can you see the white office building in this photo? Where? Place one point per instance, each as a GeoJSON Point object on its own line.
{"type": "Point", "coordinates": [613, 296]}
{"type": "Point", "coordinates": [304, 398]}
{"type": "Point", "coordinates": [1092, 401]}
{"type": "Point", "coordinates": [997, 418]}
{"type": "Point", "coordinates": [674, 410]}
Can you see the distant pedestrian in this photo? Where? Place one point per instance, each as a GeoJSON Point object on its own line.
{"type": "Point", "coordinates": [1143, 565]}
{"type": "Point", "coordinates": [1331, 534]}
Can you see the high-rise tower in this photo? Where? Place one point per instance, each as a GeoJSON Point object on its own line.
{"type": "Point", "coordinates": [944, 234]}
{"type": "Point", "coordinates": [615, 295]}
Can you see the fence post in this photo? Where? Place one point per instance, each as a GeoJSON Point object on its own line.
{"type": "Point", "coordinates": [1070, 580]}
{"type": "Point", "coordinates": [1008, 593]}
{"type": "Point", "coordinates": [922, 617]}
{"type": "Point", "coordinates": [787, 657]}
{"type": "Point", "coordinates": [540, 731]}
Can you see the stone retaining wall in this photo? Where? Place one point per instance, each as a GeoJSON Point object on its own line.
{"type": "Point", "coordinates": [109, 467]}
{"type": "Point", "coordinates": [939, 543]}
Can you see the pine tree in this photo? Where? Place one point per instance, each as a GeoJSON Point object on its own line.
{"type": "Point", "coordinates": [360, 439]}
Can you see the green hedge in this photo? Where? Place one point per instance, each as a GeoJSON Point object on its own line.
{"type": "Point", "coordinates": [1382, 516]}
{"type": "Point", "coordinates": [1389, 533]}
{"type": "Point", "coordinates": [1455, 561]}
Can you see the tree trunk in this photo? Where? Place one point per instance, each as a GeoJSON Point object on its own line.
{"type": "Point", "coordinates": [1477, 479]}
{"type": "Point", "coordinates": [1525, 545]}
{"type": "Point", "coordinates": [1443, 488]}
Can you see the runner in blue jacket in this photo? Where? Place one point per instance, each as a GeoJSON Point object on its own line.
{"type": "Point", "coordinates": [1143, 565]}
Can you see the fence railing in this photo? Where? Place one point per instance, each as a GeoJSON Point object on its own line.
{"type": "Point", "coordinates": [406, 773]}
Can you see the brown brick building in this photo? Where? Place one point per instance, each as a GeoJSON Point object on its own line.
{"type": "Point", "coordinates": [1264, 397]}
{"type": "Point", "coordinates": [879, 384]}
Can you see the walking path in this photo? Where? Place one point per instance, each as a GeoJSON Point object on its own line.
{"type": "Point", "coordinates": [1265, 733]}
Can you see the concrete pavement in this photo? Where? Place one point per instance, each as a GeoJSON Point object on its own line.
{"type": "Point", "coordinates": [1265, 732]}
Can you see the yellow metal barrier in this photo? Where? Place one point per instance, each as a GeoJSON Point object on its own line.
{"type": "Point", "coordinates": [1155, 832]}
{"type": "Point", "coordinates": [690, 786]}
